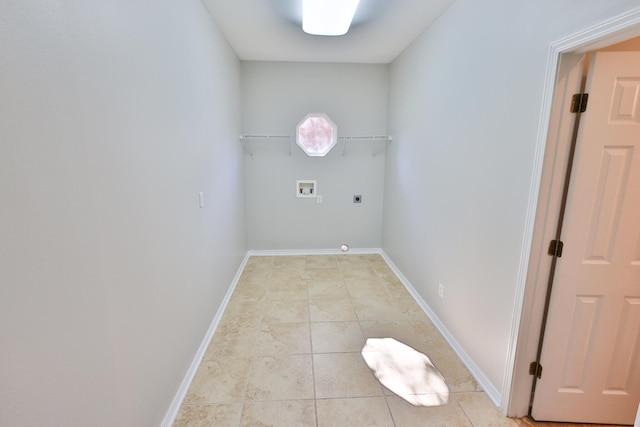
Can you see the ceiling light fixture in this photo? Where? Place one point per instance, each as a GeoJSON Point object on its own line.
{"type": "Point", "coordinates": [328, 17]}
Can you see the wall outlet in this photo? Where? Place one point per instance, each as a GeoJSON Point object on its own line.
{"type": "Point", "coordinates": [440, 290]}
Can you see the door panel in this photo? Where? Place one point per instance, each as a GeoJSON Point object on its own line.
{"type": "Point", "coordinates": [623, 369]}
{"type": "Point", "coordinates": [613, 175]}
{"type": "Point", "coordinates": [591, 352]}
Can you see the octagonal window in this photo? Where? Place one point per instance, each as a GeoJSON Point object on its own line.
{"type": "Point", "coordinates": [316, 134]}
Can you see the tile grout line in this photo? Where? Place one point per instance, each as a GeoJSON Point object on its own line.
{"type": "Point", "coordinates": [454, 395]}
{"type": "Point", "coordinates": [313, 368]}
{"type": "Point", "coordinates": [254, 349]}
{"type": "Point", "coordinates": [343, 269]}
{"type": "Point", "coordinates": [384, 395]}
{"type": "Point", "coordinates": [364, 337]}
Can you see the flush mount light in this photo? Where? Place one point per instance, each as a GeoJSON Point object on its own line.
{"type": "Point", "coordinates": [328, 17]}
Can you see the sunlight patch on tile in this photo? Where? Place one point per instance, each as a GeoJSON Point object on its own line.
{"type": "Point", "coordinates": [406, 372]}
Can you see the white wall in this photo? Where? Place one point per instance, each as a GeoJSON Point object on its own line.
{"type": "Point", "coordinates": [113, 116]}
{"type": "Point", "coordinates": [276, 97]}
{"type": "Point", "coordinates": [465, 102]}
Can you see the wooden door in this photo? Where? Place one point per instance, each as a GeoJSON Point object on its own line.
{"type": "Point", "coordinates": [591, 354]}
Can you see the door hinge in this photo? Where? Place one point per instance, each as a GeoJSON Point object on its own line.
{"type": "Point", "coordinates": [535, 369]}
{"type": "Point", "coordinates": [555, 248]}
{"type": "Point", "coordinates": [579, 102]}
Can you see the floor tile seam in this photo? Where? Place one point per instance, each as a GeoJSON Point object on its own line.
{"type": "Point", "coordinates": [285, 322]}
{"type": "Point", "coordinates": [380, 386]}
{"type": "Point", "coordinates": [313, 385]}
{"type": "Point", "coordinates": [341, 270]}
{"type": "Point", "coordinates": [393, 420]}
{"type": "Point", "coordinates": [467, 392]}
{"type": "Point", "coordinates": [319, 298]}
{"type": "Point", "coordinates": [216, 402]}
{"type": "Point", "coordinates": [383, 319]}
{"type": "Point", "coordinates": [334, 321]}
{"type": "Point", "coordinates": [313, 353]}
{"type": "Point", "coordinates": [364, 336]}
{"type": "Point", "coordinates": [280, 354]}
{"type": "Point", "coordinates": [310, 334]}
{"type": "Point", "coordinates": [268, 276]}
{"type": "Point", "coordinates": [353, 397]}
{"type": "Point", "coordinates": [359, 396]}
{"type": "Point", "coordinates": [195, 405]}
{"type": "Point", "coordinates": [254, 351]}
{"type": "Point", "coordinates": [243, 401]}
{"type": "Point", "coordinates": [463, 410]}
{"type": "Point", "coordinates": [277, 400]}
{"type": "Point", "coordinates": [338, 352]}
{"type": "Point", "coordinates": [258, 356]}
{"type": "Point", "coordinates": [313, 373]}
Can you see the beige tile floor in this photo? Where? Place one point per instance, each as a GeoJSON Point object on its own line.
{"type": "Point", "coordinates": [287, 351]}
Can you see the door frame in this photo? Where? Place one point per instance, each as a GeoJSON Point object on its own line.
{"type": "Point", "coordinates": [544, 199]}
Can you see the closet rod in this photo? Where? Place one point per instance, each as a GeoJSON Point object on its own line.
{"type": "Point", "coordinates": [373, 137]}
{"type": "Point", "coordinates": [250, 137]}
{"type": "Point", "coordinates": [344, 139]}
{"type": "Point", "coordinates": [247, 136]}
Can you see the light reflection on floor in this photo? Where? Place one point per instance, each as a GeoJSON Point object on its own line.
{"type": "Point", "coordinates": [406, 372]}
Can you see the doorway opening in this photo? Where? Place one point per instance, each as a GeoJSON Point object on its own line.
{"type": "Point", "coordinates": [553, 156]}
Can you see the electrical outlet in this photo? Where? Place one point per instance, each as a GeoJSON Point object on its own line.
{"type": "Point", "coordinates": [440, 290]}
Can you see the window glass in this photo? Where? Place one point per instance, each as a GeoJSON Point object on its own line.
{"type": "Point", "coordinates": [317, 134]}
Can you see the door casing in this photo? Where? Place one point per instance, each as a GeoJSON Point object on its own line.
{"type": "Point", "coordinates": [549, 165]}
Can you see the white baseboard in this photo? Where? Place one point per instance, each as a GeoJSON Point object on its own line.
{"type": "Point", "coordinates": [300, 252]}
{"type": "Point", "coordinates": [174, 408]}
{"type": "Point", "coordinates": [491, 391]}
